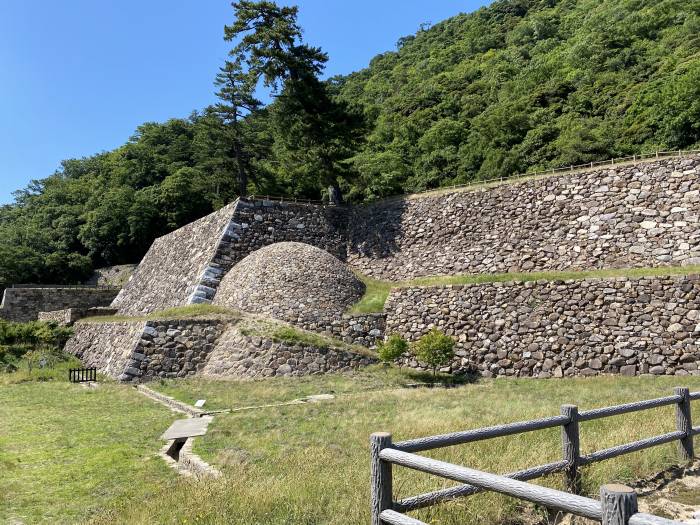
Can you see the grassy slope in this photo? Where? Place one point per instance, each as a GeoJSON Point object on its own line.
{"type": "Point", "coordinates": [67, 451]}
{"type": "Point", "coordinates": [377, 291]}
{"type": "Point", "coordinates": [308, 464]}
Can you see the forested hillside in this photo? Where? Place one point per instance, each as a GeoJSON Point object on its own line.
{"type": "Point", "coordinates": [519, 85]}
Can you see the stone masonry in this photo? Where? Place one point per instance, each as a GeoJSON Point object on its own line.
{"type": "Point", "coordinates": [242, 356]}
{"type": "Point", "coordinates": [24, 304]}
{"type": "Point", "coordinates": [560, 328]}
{"type": "Point", "coordinates": [645, 214]}
{"type": "Point", "coordinates": [140, 351]}
{"type": "Point", "coordinates": [187, 265]}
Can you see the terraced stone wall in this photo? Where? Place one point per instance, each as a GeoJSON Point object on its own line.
{"type": "Point", "coordinates": [187, 265]}
{"type": "Point", "coordinates": [640, 215]}
{"type": "Point", "coordinates": [560, 328]}
{"type": "Point", "coordinates": [24, 304]}
{"type": "Point", "coordinates": [250, 357]}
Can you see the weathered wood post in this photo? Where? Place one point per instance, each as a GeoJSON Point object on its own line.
{"type": "Point", "coordinates": [382, 491]}
{"type": "Point", "coordinates": [570, 447]}
{"type": "Point", "coordinates": [684, 423]}
{"type": "Point", "coordinates": [619, 504]}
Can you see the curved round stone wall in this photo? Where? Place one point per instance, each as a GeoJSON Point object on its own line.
{"type": "Point", "coordinates": [644, 214]}
{"type": "Point", "coordinates": [292, 281]}
{"type": "Point", "coordinates": [560, 328]}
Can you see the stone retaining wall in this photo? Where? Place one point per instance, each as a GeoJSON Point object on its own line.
{"type": "Point", "coordinates": [360, 329]}
{"type": "Point", "coordinates": [173, 349]}
{"type": "Point", "coordinates": [24, 304]}
{"type": "Point", "coordinates": [187, 265]}
{"type": "Point", "coordinates": [241, 356]}
{"type": "Point", "coordinates": [560, 328]}
{"type": "Point", "coordinates": [71, 315]}
{"type": "Point", "coordinates": [623, 216]}
{"type": "Point", "coordinates": [106, 346]}
{"type": "Point", "coordinates": [139, 351]}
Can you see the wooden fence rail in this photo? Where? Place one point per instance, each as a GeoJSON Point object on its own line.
{"type": "Point", "coordinates": [617, 506]}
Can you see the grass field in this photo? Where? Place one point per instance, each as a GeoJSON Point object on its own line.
{"type": "Point", "coordinates": [67, 451]}
{"type": "Point", "coordinates": [377, 291]}
{"type": "Point", "coordinates": [308, 464]}
{"type": "Point", "coordinates": [72, 455]}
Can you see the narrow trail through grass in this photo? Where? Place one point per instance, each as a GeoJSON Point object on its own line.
{"type": "Point", "coordinates": [377, 291]}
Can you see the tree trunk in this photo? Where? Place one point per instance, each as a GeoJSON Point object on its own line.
{"type": "Point", "coordinates": [335, 196]}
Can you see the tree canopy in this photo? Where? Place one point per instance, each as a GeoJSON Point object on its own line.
{"type": "Point", "coordinates": [519, 85]}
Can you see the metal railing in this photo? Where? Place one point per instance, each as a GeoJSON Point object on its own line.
{"type": "Point", "coordinates": [385, 510]}
{"type": "Point", "coordinates": [82, 375]}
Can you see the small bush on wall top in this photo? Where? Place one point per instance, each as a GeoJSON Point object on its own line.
{"type": "Point", "coordinates": [434, 349]}
{"type": "Point", "coordinates": [392, 349]}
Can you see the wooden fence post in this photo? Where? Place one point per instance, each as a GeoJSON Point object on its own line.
{"type": "Point", "coordinates": [619, 504]}
{"type": "Point", "coordinates": [570, 447]}
{"type": "Point", "coordinates": [382, 492]}
{"type": "Point", "coordinates": [684, 423]}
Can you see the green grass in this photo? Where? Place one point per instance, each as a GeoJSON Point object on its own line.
{"type": "Point", "coordinates": [377, 291]}
{"type": "Point", "coordinates": [70, 454]}
{"type": "Point", "coordinates": [308, 463]}
{"type": "Point", "coordinates": [189, 311]}
{"type": "Point", "coordinates": [67, 451]}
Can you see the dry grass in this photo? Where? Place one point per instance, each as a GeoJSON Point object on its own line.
{"type": "Point", "coordinates": [308, 464]}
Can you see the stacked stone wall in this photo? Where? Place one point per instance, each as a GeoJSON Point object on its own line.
{"type": "Point", "coordinates": [359, 329]}
{"type": "Point", "coordinates": [106, 346]}
{"type": "Point", "coordinates": [71, 315]}
{"type": "Point", "coordinates": [24, 304]}
{"type": "Point", "coordinates": [187, 265]}
{"type": "Point", "coordinates": [241, 356]}
{"type": "Point", "coordinates": [173, 266]}
{"type": "Point", "coordinates": [637, 215]}
{"type": "Point", "coordinates": [560, 328]}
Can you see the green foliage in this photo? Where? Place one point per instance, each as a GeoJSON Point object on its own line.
{"type": "Point", "coordinates": [434, 349]}
{"type": "Point", "coordinates": [528, 85]}
{"type": "Point", "coordinates": [392, 348]}
{"type": "Point", "coordinates": [36, 344]}
{"type": "Point", "coordinates": [520, 85]}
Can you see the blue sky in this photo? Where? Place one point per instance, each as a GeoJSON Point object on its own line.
{"type": "Point", "coordinates": [78, 76]}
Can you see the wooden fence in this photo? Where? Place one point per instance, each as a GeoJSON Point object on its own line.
{"type": "Point", "coordinates": [617, 506]}
{"type": "Point", "coordinates": [82, 375]}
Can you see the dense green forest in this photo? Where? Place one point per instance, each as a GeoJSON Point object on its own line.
{"type": "Point", "coordinates": [519, 85]}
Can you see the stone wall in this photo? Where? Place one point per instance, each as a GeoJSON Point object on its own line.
{"type": "Point", "coordinates": [623, 216]}
{"type": "Point", "coordinates": [560, 328]}
{"type": "Point", "coordinates": [106, 346]}
{"type": "Point", "coordinates": [174, 265]}
{"type": "Point", "coordinates": [187, 265]}
{"type": "Point", "coordinates": [358, 329]}
{"type": "Point", "coordinates": [24, 304]}
{"type": "Point", "coordinates": [143, 350]}
{"type": "Point", "coordinates": [140, 351]}
{"type": "Point", "coordinates": [71, 315]}
{"type": "Point", "coordinates": [241, 356]}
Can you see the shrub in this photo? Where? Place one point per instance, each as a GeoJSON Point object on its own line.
{"type": "Point", "coordinates": [434, 349]}
{"type": "Point", "coordinates": [393, 348]}
{"type": "Point", "coordinates": [36, 339]}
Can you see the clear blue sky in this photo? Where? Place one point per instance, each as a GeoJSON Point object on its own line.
{"type": "Point", "coordinates": [78, 76]}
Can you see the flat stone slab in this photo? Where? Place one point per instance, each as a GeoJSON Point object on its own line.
{"type": "Point", "coordinates": [187, 428]}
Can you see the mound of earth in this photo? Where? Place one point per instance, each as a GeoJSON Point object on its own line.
{"type": "Point", "coordinates": [292, 281]}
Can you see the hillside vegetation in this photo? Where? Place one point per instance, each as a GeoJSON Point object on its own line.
{"type": "Point", "coordinates": [516, 86]}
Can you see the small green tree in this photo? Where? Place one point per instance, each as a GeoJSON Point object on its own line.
{"type": "Point", "coordinates": [391, 349]}
{"type": "Point", "coordinates": [434, 349]}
